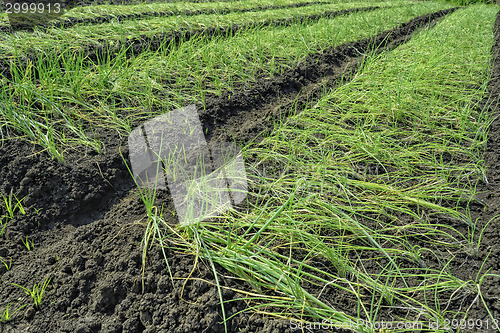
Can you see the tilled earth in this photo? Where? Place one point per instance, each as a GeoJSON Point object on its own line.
{"type": "Point", "coordinates": [87, 222]}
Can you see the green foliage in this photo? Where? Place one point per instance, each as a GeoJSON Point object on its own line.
{"type": "Point", "coordinates": [7, 264]}
{"type": "Point", "coordinates": [10, 205]}
{"type": "Point", "coordinates": [6, 315]}
{"type": "Point", "coordinates": [60, 107]}
{"type": "Point", "coordinates": [28, 243]}
{"type": "Point", "coordinates": [470, 2]}
{"type": "Point", "coordinates": [36, 293]}
{"type": "Point", "coordinates": [376, 187]}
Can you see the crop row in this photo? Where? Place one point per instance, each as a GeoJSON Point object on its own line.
{"type": "Point", "coordinates": [115, 93]}
{"type": "Point", "coordinates": [206, 66]}
{"type": "Point", "coordinates": [84, 3]}
{"type": "Point", "coordinates": [107, 13]}
{"type": "Point", "coordinates": [78, 37]}
{"type": "Point", "coordinates": [363, 202]}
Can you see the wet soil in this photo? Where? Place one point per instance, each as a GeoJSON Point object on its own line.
{"type": "Point", "coordinates": [87, 223]}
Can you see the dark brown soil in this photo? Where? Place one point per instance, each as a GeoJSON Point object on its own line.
{"type": "Point", "coordinates": [87, 223]}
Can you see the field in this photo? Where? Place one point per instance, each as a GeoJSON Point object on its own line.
{"type": "Point", "coordinates": [336, 167]}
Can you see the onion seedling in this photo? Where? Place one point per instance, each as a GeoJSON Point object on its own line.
{"type": "Point", "coordinates": [36, 293]}
{"type": "Point", "coordinates": [7, 315]}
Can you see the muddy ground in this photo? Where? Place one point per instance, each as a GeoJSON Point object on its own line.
{"type": "Point", "coordinates": [87, 223]}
